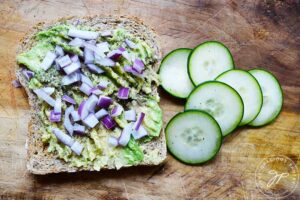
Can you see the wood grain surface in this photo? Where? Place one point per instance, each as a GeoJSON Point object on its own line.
{"type": "Point", "coordinates": [260, 33]}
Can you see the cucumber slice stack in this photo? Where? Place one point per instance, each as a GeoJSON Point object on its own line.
{"type": "Point", "coordinates": [218, 97]}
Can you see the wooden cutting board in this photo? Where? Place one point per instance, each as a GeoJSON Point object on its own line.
{"type": "Point", "coordinates": [259, 33]}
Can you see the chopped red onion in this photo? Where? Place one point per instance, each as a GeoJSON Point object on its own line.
{"type": "Point", "coordinates": [103, 84]}
{"type": "Point", "coordinates": [104, 102]}
{"type": "Point", "coordinates": [107, 62]}
{"type": "Point", "coordinates": [48, 90]}
{"type": "Point", "coordinates": [117, 111]}
{"type": "Point", "coordinates": [54, 117]}
{"type": "Point", "coordinates": [76, 42]}
{"type": "Point", "coordinates": [85, 88]}
{"type": "Point", "coordinates": [68, 99]}
{"type": "Point", "coordinates": [101, 113]}
{"type": "Point", "coordinates": [96, 90]}
{"type": "Point", "coordinates": [86, 80]}
{"type": "Point", "coordinates": [82, 110]}
{"type": "Point", "coordinates": [59, 51]}
{"type": "Point", "coordinates": [122, 49]}
{"type": "Point", "coordinates": [112, 141]}
{"type": "Point", "coordinates": [142, 132]}
{"type": "Point", "coordinates": [75, 58]}
{"type": "Point", "coordinates": [78, 128]}
{"type": "Point", "coordinates": [88, 56]}
{"type": "Point", "coordinates": [67, 122]}
{"type": "Point", "coordinates": [123, 93]}
{"type": "Point", "coordinates": [91, 103]}
{"type": "Point", "coordinates": [108, 122]}
{"type": "Point", "coordinates": [138, 65]}
{"type": "Point", "coordinates": [139, 121]}
{"type": "Point", "coordinates": [130, 44]}
{"type": "Point", "coordinates": [69, 79]}
{"type": "Point", "coordinates": [130, 115]}
{"type": "Point", "coordinates": [106, 33]}
{"type": "Point", "coordinates": [114, 54]}
{"type": "Point", "coordinates": [77, 148]}
{"type": "Point", "coordinates": [86, 35]}
{"type": "Point", "coordinates": [95, 68]}
{"type": "Point", "coordinates": [103, 47]}
{"type": "Point", "coordinates": [91, 121]}
{"type": "Point", "coordinates": [125, 135]}
{"type": "Point", "coordinates": [132, 71]}
{"type": "Point", "coordinates": [95, 49]}
{"type": "Point", "coordinates": [28, 74]}
{"type": "Point", "coordinates": [75, 116]}
{"type": "Point", "coordinates": [48, 60]}
{"type": "Point", "coordinates": [44, 96]}
{"type": "Point", "coordinates": [62, 137]}
{"type": "Point", "coordinates": [126, 55]}
{"type": "Point", "coordinates": [16, 83]}
{"type": "Point", "coordinates": [57, 106]}
{"type": "Point", "coordinates": [72, 67]}
{"type": "Point", "coordinates": [64, 61]}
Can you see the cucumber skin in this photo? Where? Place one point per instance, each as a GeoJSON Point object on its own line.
{"type": "Point", "coordinates": [170, 53]}
{"type": "Point", "coordinates": [282, 99]}
{"type": "Point", "coordinates": [241, 97]}
{"type": "Point", "coordinates": [185, 109]}
{"type": "Point", "coordinates": [210, 41]}
{"type": "Point", "coordinates": [220, 134]}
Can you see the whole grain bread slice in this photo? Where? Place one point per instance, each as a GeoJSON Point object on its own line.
{"type": "Point", "coordinates": [39, 160]}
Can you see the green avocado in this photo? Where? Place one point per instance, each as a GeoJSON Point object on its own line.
{"type": "Point", "coordinates": [97, 153]}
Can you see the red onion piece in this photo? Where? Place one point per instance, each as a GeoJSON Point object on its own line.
{"type": "Point", "coordinates": [96, 90]}
{"type": "Point", "coordinates": [82, 110]}
{"type": "Point", "coordinates": [75, 116]}
{"type": "Point", "coordinates": [48, 90]}
{"type": "Point", "coordinates": [123, 93]}
{"type": "Point", "coordinates": [125, 135]}
{"type": "Point", "coordinates": [88, 56]}
{"type": "Point", "coordinates": [44, 96]}
{"type": "Point", "coordinates": [16, 83]}
{"type": "Point", "coordinates": [126, 55]}
{"type": "Point", "coordinates": [138, 65]}
{"type": "Point", "coordinates": [114, 54]}
{"type": "Point", "coordinates": [142, 132]}
{"type": "Point", "coordinates": [103, 85]}
{"type": "Point", "coordinates": [103, 47]}
{"type": "Point", "coordinates": [57, 106]}
{"type": "Point", "coordinates": [72, 67]}
{"type": "Point", "coordinates": [91, 121]}
{"type": "Point", "coordinates": [86, 80]}
{"type": "Point", "coordinates": [75, 58]}
{"type": "Point", "coordinates": [69, 79]}
{"type": "Point", "coordinates": [132, 71]}
{"type": "Point", "coordinates": [68, 99]}
{"type": "Point", "coordinates": [59, 51]}
{"type": "Point", "coordinates": [28, 74]}
{"type": "Point", "coordinates": [48, 60]}
{"type": "Point", "coordinates": [106, 62]}
{"type": "Point", "coordinates": [77, 148]}
{"type": "Point", "coordinates": [54, 117]}
{"type": "Point", "coordinates": [130, 115]}
{"type": "Point", "coordinates": [62, 137]}
{"type": "Point", "coordinates": [101, 113]}
{"type": "Point", "coordinates": [112, 141]}
{"type": "Point", "coordinates": [95, 68]}
{"type": "Point", "coordinates": [139, 121]}
{"type": "Point", "coordinates": [78, 128]}
{"type": "Point", "coordinates": [104, 102]}
{"type": "Point", "coordinates": [117, 111]}
{"type": "Point", "coordinates": [76, 42]}
{"type": "Point", "coordinates": [86, 35]}
{"type": "Point", "coordinates": [91, 103]}
{"type": "Point", "coordinates": [67, 122]}
{"type": "Point", "coordinates": [95, 49]}
{"type": "Point", "coordinates": [106, 33]}
{"type": "Point", "coordinates": [130, 44]}
{"type": "Point", "coordinates": [64, 61]}
{"type": "Point", "coordinates": [85, 88]}
{"type": "Point", "coordinates": [108, 122]}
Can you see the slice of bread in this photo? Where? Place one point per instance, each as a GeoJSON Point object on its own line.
{"type": "Point", "coordinates": [39, 160]}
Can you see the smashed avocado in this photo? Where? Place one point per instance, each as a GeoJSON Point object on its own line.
{"type": "Point", "coordinates": [97, 152]}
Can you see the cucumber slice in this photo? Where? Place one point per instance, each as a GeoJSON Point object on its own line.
{"type": "Point", "coordinates": [173, 73]}
{"type": "Point", "coordinates": [193, 137]}
{"type": "Point", "coordinates": [219, 100]}
{"type": "Point", "coordinates": [248, 88]}
{"type": "Point", "coordinates": [272, 97]}
{"type": "Point", "coordinates": [208, 60]}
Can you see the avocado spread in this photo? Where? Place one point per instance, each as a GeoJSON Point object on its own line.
{"type": "Point", "coordinates": [97, 152]}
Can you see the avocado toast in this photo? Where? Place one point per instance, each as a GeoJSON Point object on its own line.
{"type": "Point", "coordinates": [92, 88]}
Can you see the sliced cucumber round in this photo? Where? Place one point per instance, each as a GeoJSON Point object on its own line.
{"type": "Point", "coordinates": [173, 73]}
{"type": "Point", "coordinates": [248, 88]}
{"type": "Point", "coordinates": [272, 97]}
{"type": "Point", "coordinates": [219, 100]}
{"type": "Point", "coordinates": [208, 60]}
{"type": "Point", "coordinates": [193, 137]}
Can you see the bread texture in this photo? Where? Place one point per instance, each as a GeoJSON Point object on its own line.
{"type": "Point", "coordinates": [39, 160]}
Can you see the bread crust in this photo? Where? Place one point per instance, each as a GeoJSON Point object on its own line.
{"type": "Point", "coordinates": [39, 161]}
